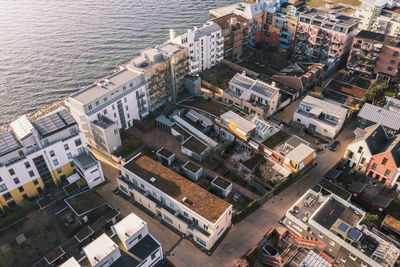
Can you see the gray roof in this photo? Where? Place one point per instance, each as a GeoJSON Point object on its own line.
{"type": "Point", "coordinates": [206, 30]}
{"type": "Point", "coordinates": [295, 141]}
{"type": "Point", "coordinates": [356, 187]}
{"type": "Point", "coordinates": [387, 118]}
{"type": "Point", "coordinates": [238, 120]}
{"type": "Point", "coordinates": [324, 106]}
{"type": "Point", "coordinates": [54, 122]}
{"type": "Point", "coordinates": [393, 104]}
{"type": "Point", "coordinates": [8, 142]}
{"type": "Point", "coordinates": [251, 86]}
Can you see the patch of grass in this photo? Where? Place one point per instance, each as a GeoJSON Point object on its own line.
{"type": "Point", "coordinates": [315, 3]}
{"type": "Point", "coordinates": [261, 67]}
{"type": "Point", "coordinates": [81, 182]}
{"type": "Point", "coordinates": [363, 83]}
{"type": "Point", "coordinates": [47, 200]}
{"type": "Point", "coordinates": [390, 93]}
{"type": "Point", "coordinates": [276, 139]}
{"type": "Point", "coordinates": [69, 229]}
{"type": "Point", "coordinates": [12, 216]}
{"type": "Point", "coordinates": [241, 214]}
{"type": "Point", "coordinates": [372, 220]}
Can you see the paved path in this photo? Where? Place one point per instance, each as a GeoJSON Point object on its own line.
{"type": "Point", "coordinates": [241, 236]}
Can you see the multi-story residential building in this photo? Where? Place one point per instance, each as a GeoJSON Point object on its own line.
{"type": "Point", "coordinates": [320, 116]}
{"type": "Point", "coordinates": [301, 76]}
{"type": "Point", "coordinates": [191, 210]}
{"type": "Point", "coordinates": [235, 31]}
{"type": "Point", "coordinates": [374, 55]}
{"type": "Point", "coordinates": [384, 165]}
{"type": "Point", "coordinates": [370, 11]}
{"type": "Point", "coordinates": [366, 143]}
{"type": "Point", "coordinates": [279, 28]}
{"type": "Point", "coordinates": [39, 155]}
{"type": "Point", "coordinates": [205, 45]}
{"type": "Point", "coordinates": [164, 68]}
{"type": "Point", "coordinates": [388, 22]}
{"type": "Point", "coordinates": [109, 105]}
{"type": "Point", "coordinates": [370, 115]}
{"type": "Point", "coordinates": [334, 226]}
{"type": "Point", "coordinates": [324, 37]}
{"type": "Point", "coordinates": [251, 95]}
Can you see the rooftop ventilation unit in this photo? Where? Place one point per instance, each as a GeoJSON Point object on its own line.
{"type": "Point", "coordinates": [153, 179]}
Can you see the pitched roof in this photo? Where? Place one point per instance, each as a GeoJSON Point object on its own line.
{"type": "Point", "coordinates": [325, 106]}
{"type": "Point", "coordinates": [387, 118]}
{"type": "Point", "coordinates": [252, 86]}
{"type": "Point", "coordinates": [375, 138]}
{"type": "Point", "coordinates": [199, 200]}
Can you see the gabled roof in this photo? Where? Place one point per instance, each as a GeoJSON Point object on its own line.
{"type": "Point", "coordinates": [387, 118]}
{"type": "Point", "coordinates": [374, 136]}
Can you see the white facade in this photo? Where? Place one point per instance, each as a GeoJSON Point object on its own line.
{"type": "Point", "coordinates": [199, 229]}
{"type": "Point", "coordinates": [43, 155]}
{"type": "Point", "coordinates": [320, 116]}
{"type": "Point", "coordinates": [369, 12]}
{"type": "Point", "coordinates": [205, 46]}
{"type": "Point", "coordinates": [360, 154]}
{"type": "Point", "coordinates": [102, 252]}
{"type": "Point", "coordinates": [87, 166]}
{"type": "Point", "coordinates": [120, 97]}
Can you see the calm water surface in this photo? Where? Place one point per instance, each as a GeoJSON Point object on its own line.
{"type": "Point", "coordinates": [49, 48]}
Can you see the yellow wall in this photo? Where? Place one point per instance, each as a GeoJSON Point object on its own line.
{"type": "Point", "coordinates": [306, 162]}
{"type": "Point", "coordinates": [30, 189]}
{"type": "Point", "coordinates": [232, 127]}
{"type": "Point", "coordinates": [66, 170]}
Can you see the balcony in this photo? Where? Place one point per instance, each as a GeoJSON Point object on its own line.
{"type": "Point", "coordinates": [192, 226]}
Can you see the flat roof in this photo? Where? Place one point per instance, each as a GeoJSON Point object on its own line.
{"type": "Point", "coordinates": [181, 131]}
{"type": "Point", "coordinates": [22, 127]}
{"type": "Point", "coordinates": [195, 145]}
{"type": "Point", "coordinates": [85, 202]}
{"type": "Point", "coordinates": [253, 86]}
{"type": "Point", "coordinates": [335, 189]}
{"type": "Point", "coordinates": [392, 223]}
{"type": "Point", "coordinates": [295, 141]}
{"type": "Point", "coordinates": [54, 122]}
{"type": "Point", "coordinates": [300, 152]}
{"type": "Point", "coordinates": [238, 120]}
{"type": "Point", "coordinates": [165, 153]}
{"type": "Point", "coordinates": [208, 105]}
{"type": "Point", "coordinates": [71, 262]}
{"type": "Point", "coordinates": [198, 199]}
{"type": "Point", "coordinates": [145, 247]}
{"type": "Point", "coordinates": [8, 142]}
{"type": "Point", "coordinates": [379, 37]}
{"type": "Point", "coordinates": [97, 90]}
{"type": "Point", "coordinates": [86, 160]}
{"type": "Point", "coordinates": [324, 106]}
{"type": "Point", "coordinates": [99, 249]}
{"type": "Point", "coordinates": [192, 167]}
{"type": "Point", "coordinates": [347, 89]}
{"type": "Point", "coordinates": [329, 213]}
{"type": "Point", "coordinates": [128, 226]}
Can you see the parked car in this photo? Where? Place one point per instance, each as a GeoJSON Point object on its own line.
{"type": "Point", "coordinates": [334, 146]}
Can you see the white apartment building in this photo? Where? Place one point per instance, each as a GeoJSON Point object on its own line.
{"type": "Point", "coordinates": [109, 105]}
{"type": "Point", "coordinates": [370, 11]}
{"type": "Point", "coordinates": [193, 211]}
{"type": "Point", "coordinates": [320, 116]}
{"type": "Point", "coordinates": [38, 155]}
{"type": "Point", "coordinates": [205, 46]}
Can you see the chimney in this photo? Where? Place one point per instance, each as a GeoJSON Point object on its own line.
{"type": "Point", "coordinates": [171, 34]}
{"type": "Point", "coordinates": [233, 21]}
{"type": "Point", "coordinates": [243, 73]}
{"type": "Point", "coordinates": [273, 84]}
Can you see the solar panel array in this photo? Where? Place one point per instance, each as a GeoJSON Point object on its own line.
{"type": "Point", "coordinates": [243, 81]}
{"type": "Point", "coordinates": [343, 227]}
{"type": "Point", "coordinates": [54, 122]}
{"type": "Point", "coordinates": [355, 234]}
{"type": "Point", "coordinates": [8, 142]}
{"type": "Point", "coordinates": [263, 89]}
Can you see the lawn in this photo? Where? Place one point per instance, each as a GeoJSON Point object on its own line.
{"type": "Point", "coordinates": [258, 66]}
{"type": "Point", "coordinates": [15, 215]}
{"type": "Point", "coordinates": [276, 139]}
{"type": "Point", "coordinates": [390, 93]}
{"type": "Point", "coordinates": [320, 3]}
{"type": "Point", "coordinates": [363, 83]}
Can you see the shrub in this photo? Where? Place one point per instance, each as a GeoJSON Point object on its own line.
{"type": "Point", "coordinates": [241, 214]}
{"type": "Point", "coordinates": [81, 182]}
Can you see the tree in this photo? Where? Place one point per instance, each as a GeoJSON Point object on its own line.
{"type": "Point", "coordinates": [375, 96]}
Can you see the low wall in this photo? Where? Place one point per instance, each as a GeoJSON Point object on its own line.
{"type": "Point", "coordinates": [239, 68]}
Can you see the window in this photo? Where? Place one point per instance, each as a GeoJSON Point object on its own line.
{"type": "Point", "coordinates": [124, 88]}
{"type": "Point", "coordinates": [131, 85]}
{"type": "Point", "coordinates": [31, 173]}
{"type": "Point", "coordinates": [90, 107]}
{"type": "Point", "coordinates": [185, 214]}
{"type": "Point", "coordinates": [52, 154]}
{"type": "Point", "coordinates": [16, 180]}
{"type": "Point", "coordinates": [332, 243]}
{"type": "Point", "coordinates": [115, 115]}
{"type": "Point", "coordinates": [35, 182]}
{"type": "Point", "coordinates": [58, 170]}
{"type": "Point", "coordinates": [72, 163]}
{"type": "Point", "coordinates": [66, 147]}
{"type": "Point", "coordinates": [142, 186]}
{"type": "Point", "coordinates": [168, 219]}
{"type": "Point", "coordinates": [1, 180]}
{"type": "Point", "coordinates": [126, 107]}
{"type": "Point", "coordinates": [113, 107]}
{"type": "Point", "coordinates": [373, 166]}
{"type": "Point", "coordinates": [320, 235]}
{"type": "Point", "coordinates": [139, 236]}
{"type": "Point", "coordinates": [78, 142]}
{"type": "Point", "coordinates": [384, 161]}
{"type": "Point", "coordinates": [69, 155]}
{"type": "Point", "coordinates": [153, 256]}
{"type": "Point", "coordinates": [360, 149]}
{"type": "Point", "coordinates": [387, 172]}
{"type": "Point", "coordinates": [205, 227]}
{"type": "Point", "coordinates": [105, 99]}
{"type": "Point", "coordinates": [3, 187]}
{"type": "Point", "coordinates": [395, 53]}
{"type": "Point", "coordinates": [7, 196]}
{"type": "Point", "coordinates": [11, 171]}
{"type": "Point", "coordinates": [55, 162]}
{"type": "Point", "coordinates": [200, 241]}
{"type": "Point", "coordinates": [21, 189]}
{"type": "Point", "coordinates": [392, 61]}
{"type": "Point", "coordinates": [105, 111]}
{"type": "Point", "coordinates": [97, 103]}
{"type": "Point", "coordinates": [390, 68]}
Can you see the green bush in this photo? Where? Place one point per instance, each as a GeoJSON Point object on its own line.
{"type": "Point", "coordinates": [81, 182]}
{"type": "Point", "coordinates": [241, 214]}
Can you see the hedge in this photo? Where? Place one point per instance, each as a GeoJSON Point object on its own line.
{"type": "Point", "coordinates": [241, 214]}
